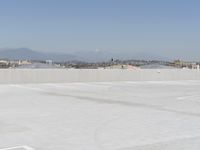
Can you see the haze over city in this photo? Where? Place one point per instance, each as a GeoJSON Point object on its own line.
{"type": "Point", "coordinates": [156, 29]}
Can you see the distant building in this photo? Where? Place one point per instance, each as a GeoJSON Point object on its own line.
{"type": "Point", "coordinates": [180, 64]}
{"type": "Point", "coordinates": [195, 66]}
{"type": "Point", "coordinates": [24, 62]}
{"type": "Point", "coordinates": [183, 64]}
{"type": "Point", "coordinates": [198, 67]}
{"type": "Point", "coordinates": [4, 64]}
{"type": "Point", "coordinates": [49, 62]}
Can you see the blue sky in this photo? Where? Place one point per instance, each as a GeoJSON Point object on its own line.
{"type": "Point", "coordinates": [164, 27]}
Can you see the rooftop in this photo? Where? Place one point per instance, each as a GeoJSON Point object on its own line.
{"type": "Point", "coordinates": [137, 115]}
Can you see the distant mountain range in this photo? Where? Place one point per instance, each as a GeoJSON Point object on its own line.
{"type": "Point", "coordinates": [28, 54]}
{"type": "Point", "coordinates": [90, 56]}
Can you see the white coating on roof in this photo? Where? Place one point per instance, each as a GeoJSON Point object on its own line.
{"type": "Point", "coordinates": [141, 115]}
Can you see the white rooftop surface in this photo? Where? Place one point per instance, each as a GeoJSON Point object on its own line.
{"type": "Point", "coordinates": [141, 115]}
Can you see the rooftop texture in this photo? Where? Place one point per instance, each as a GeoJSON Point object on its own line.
{"type": "Point", "coordinates": [135, 115]}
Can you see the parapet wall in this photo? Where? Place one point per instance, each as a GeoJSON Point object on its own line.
{"type": "Point", "coordinates": [21, 76]}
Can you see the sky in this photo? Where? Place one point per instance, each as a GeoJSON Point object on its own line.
{"type": "Point", "coordinates": [169, 28]}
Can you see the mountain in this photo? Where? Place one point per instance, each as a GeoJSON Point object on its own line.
{"type": "Point", "coordinates": [28, 54]}
{"type": "Point", "coordinates": [88, 56]}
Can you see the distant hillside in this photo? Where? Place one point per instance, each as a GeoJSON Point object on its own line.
{"type": "Point", "coordinates": [28, 54]}
{"type": "Point", "coordinates": [88, 56]}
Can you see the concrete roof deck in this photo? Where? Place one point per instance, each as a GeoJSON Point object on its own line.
{"type": "Point", "coordinates": [137, 115]}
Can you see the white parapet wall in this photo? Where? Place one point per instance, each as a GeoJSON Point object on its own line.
{"type": "Point", "coordinates": [21, 76]}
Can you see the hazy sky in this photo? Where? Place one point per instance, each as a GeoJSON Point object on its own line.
{"type": "Point", "coordinates": [167, 27]}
